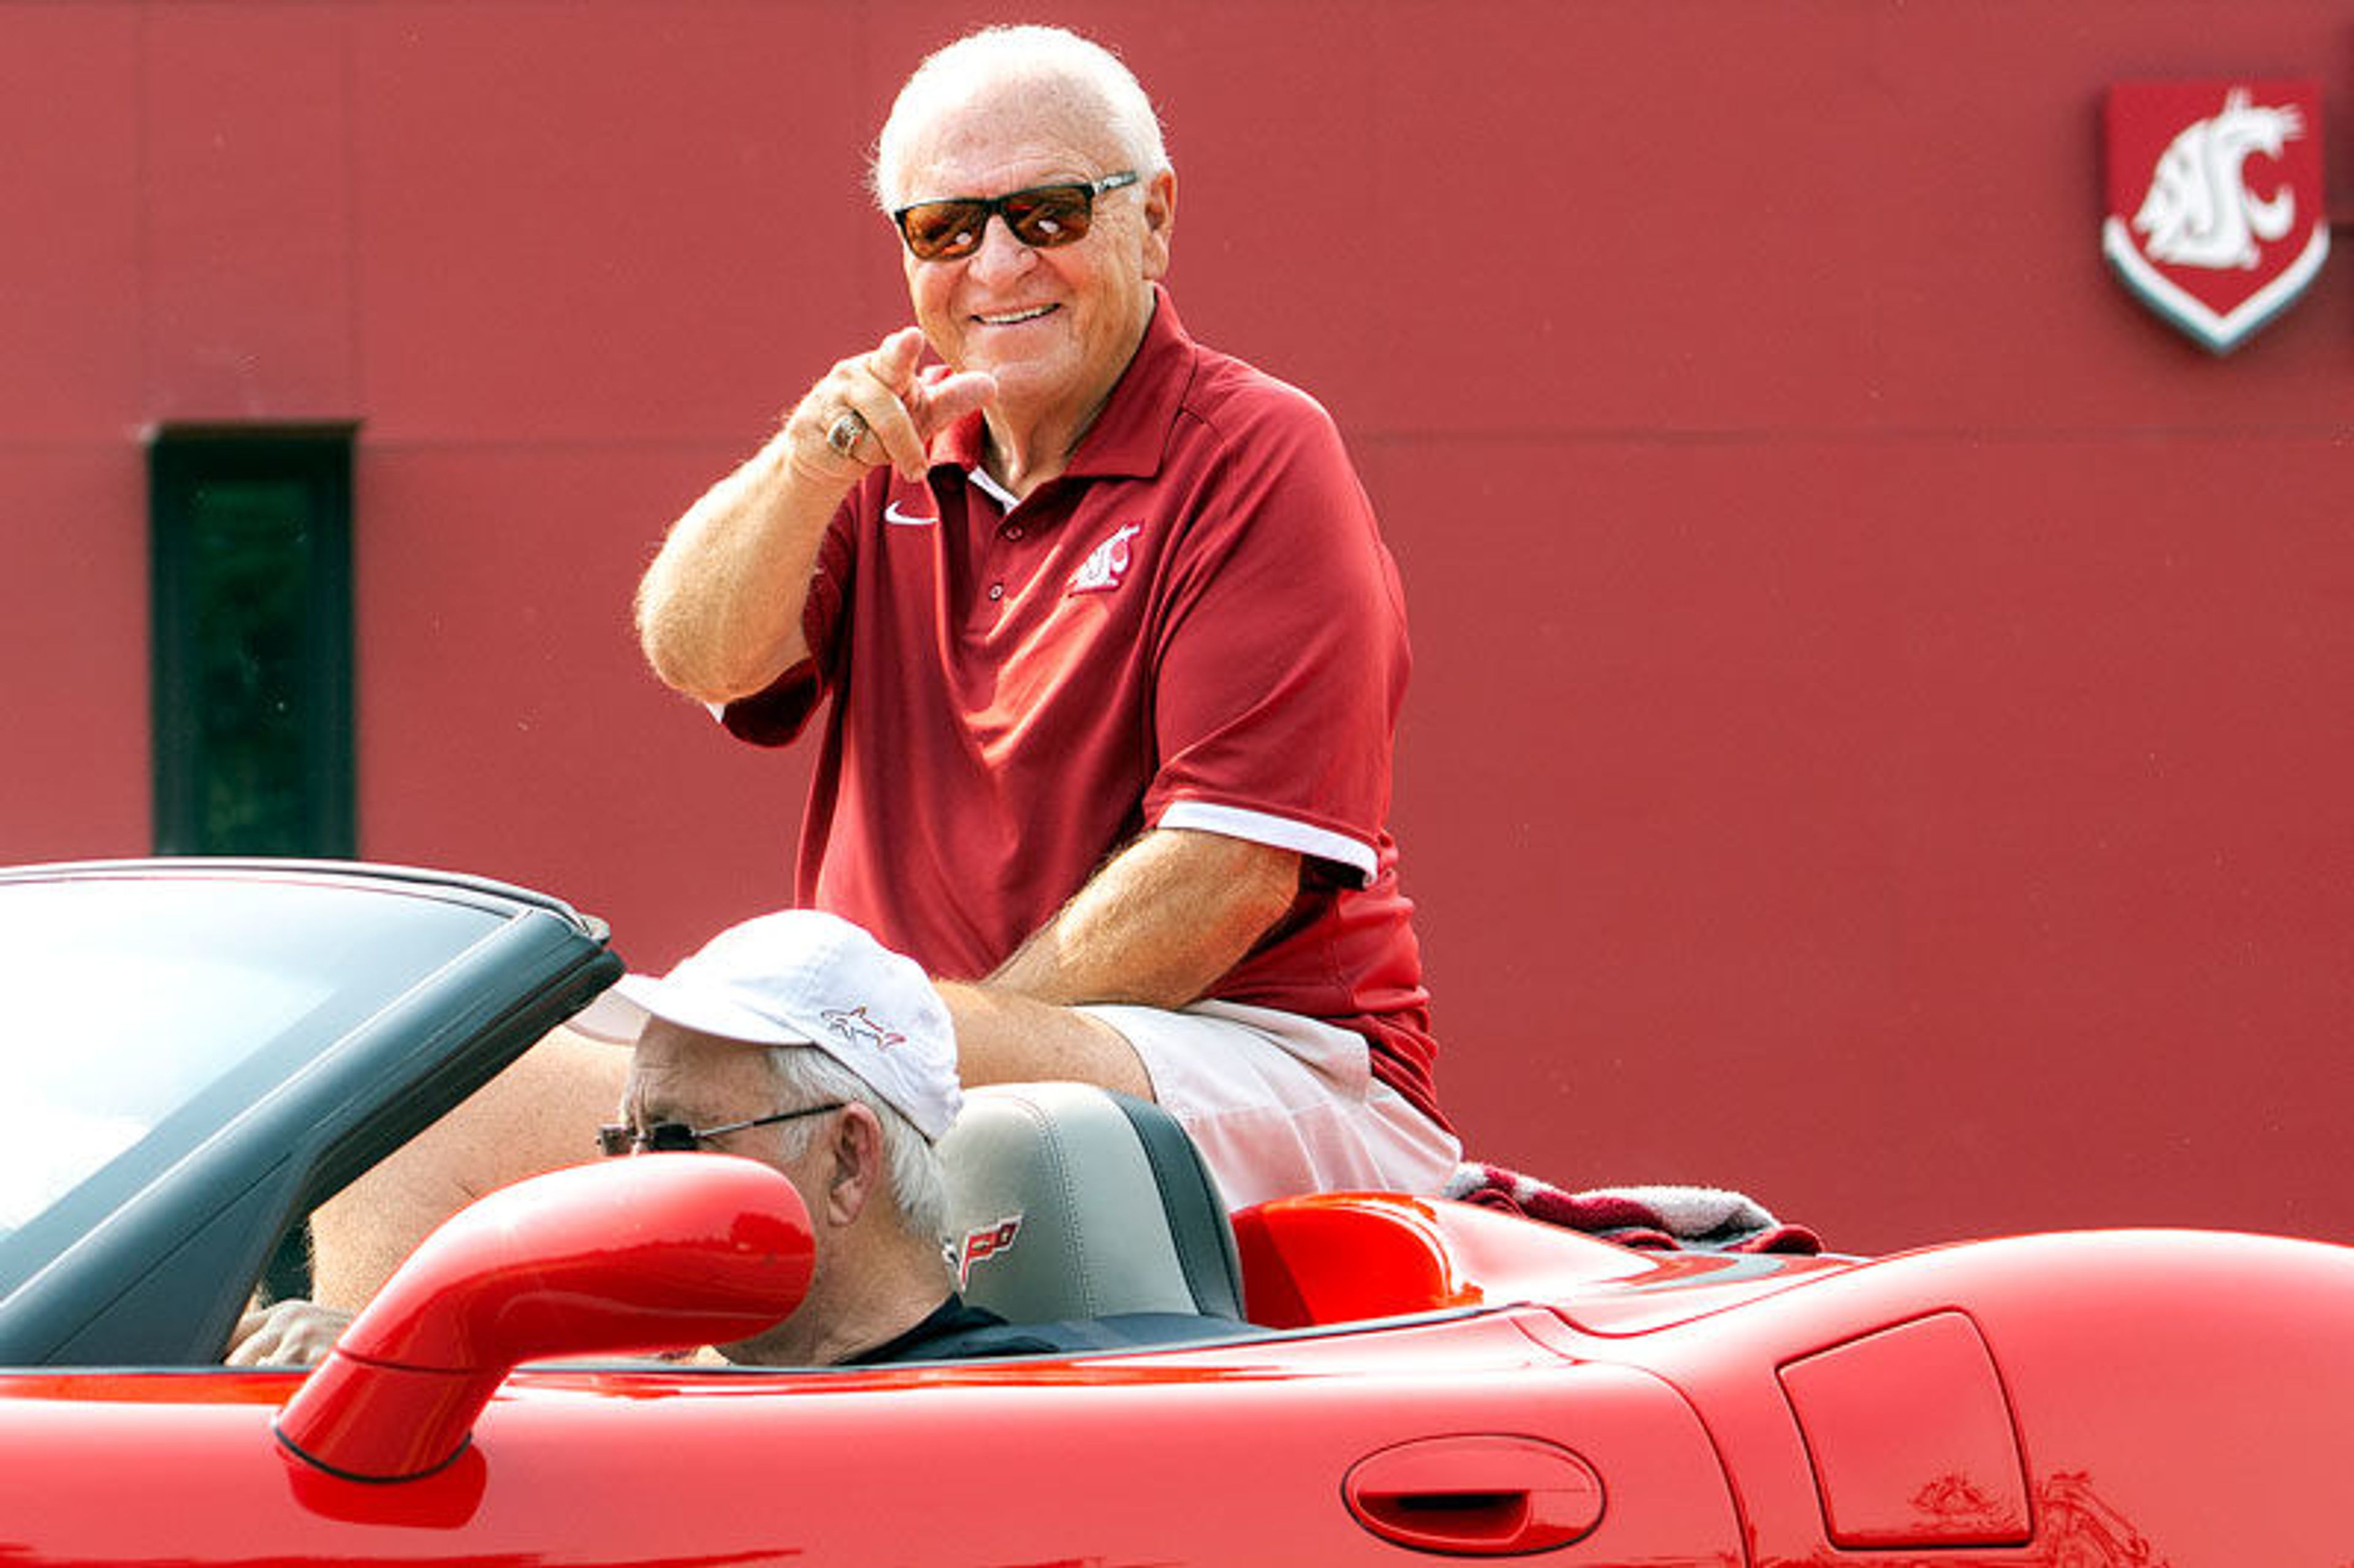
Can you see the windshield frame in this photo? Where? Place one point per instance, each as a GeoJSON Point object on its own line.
{"type": "Point", "coordinates": [199, 1203]}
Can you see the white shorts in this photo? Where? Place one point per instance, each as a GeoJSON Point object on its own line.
{"type": "Point", "coordinates": [1280, 1105]}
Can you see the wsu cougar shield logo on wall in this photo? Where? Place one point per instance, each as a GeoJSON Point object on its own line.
{"type": "Point", "coordinates": [2215, 200]}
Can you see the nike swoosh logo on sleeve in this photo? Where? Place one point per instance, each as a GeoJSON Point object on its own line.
{"type": "Point", "coordinates": [892, 514]}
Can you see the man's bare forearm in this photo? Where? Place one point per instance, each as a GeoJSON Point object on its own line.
{"type": "Point", "coordinates": [1159, 924]}
{"type": "Point", "coordinates": [720, 612]}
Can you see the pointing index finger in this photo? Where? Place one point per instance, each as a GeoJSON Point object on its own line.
{"type": "Point", "coordinates": [902, 431]}
{"type": "Point", "coordinates": [895, 359]}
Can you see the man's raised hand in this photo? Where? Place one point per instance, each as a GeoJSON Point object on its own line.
{"type": "Point", "coordinates": [883, 407]}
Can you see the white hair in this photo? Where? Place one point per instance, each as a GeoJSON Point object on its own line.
{"type": "Point", "coordinates": [806, 1077]}
{"type": "Point", "coordinates": [1087, 78]}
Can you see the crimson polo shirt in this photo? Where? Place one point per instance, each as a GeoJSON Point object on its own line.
{"type": "Point", "coordinates": [1196, 625]}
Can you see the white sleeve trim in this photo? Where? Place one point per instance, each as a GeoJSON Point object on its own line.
{"type": "Point", "coordinates": [1282, 832]}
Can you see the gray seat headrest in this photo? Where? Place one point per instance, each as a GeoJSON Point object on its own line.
{"type": "Point", "coordinates": [1069, 1201]}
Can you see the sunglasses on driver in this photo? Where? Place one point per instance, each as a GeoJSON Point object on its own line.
{"type": "Point", "coordinates": [677, 1138]}
{"type": "Point", "coordinates": [1042, 217]}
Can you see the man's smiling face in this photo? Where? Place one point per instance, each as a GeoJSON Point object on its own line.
{"type": "Point", "coordinates": [1055, 327]}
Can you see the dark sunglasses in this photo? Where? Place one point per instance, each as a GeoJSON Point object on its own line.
{"type": "Point", "coordinates": [1041, 218]}
{"type": "Point", "coordinates": [677, 1138]}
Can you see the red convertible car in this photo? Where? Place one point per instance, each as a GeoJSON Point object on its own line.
{"type": "Point", "coordinates": [202, 1052]}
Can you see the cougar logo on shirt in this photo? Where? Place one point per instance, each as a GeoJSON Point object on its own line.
{"type": "Point", "coordinates": [1108, 563]}
{"type": "Point", "coordinates": [855, 1026]}
{"type": "Point", "coordinates": [986, 1242]}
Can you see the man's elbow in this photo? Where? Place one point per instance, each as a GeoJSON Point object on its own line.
{"type": "Point", "coordinates": [678, 668]}
{"type": "Point", "coordinates": [658, 638]}
{"type": "Point", "coordinates": [694, 665]}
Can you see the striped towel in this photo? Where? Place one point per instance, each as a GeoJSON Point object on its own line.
{"type": "Point", "coordinates": [1704, 1219]}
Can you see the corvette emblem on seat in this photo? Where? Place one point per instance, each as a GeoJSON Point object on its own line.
{"type": "Point", "coordinates": [986, 1242]}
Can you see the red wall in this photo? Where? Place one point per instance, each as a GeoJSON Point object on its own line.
{"type": "Point", "coordinates": [1882, 730]}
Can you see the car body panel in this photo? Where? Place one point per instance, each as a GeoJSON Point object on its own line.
{"type": "Point", "coordinates": [1421, 1379]}
{"type": "Point", "coordinates": [1221, 1454]}
{"type": "Point", "coordinates": [2190, 1391]}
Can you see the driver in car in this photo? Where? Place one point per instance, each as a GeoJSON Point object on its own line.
{"type": "Point", "coordinates": [797, 1040]}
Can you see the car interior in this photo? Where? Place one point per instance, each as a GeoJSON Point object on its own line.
{"type": "Point", "coordinates": [1074, 1205]}
{"type": "Point", "coordinates": [1071, 1202]}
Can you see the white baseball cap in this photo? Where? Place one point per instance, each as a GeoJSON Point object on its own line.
{"type": "Point", "coordinates": [805, 978]}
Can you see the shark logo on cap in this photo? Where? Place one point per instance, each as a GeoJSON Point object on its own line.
{"type": "Point", "coordinates": [856, 1027]}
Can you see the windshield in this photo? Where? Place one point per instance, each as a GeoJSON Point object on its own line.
{"type": "Point", "coordinates": [127, 1000]}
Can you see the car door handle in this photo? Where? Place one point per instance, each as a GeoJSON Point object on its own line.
{"type": "Point", "coordinates": [1485, 1495]}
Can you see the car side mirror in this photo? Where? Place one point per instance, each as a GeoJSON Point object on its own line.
{"type": "Point", "coordinates": [662, 1253]}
